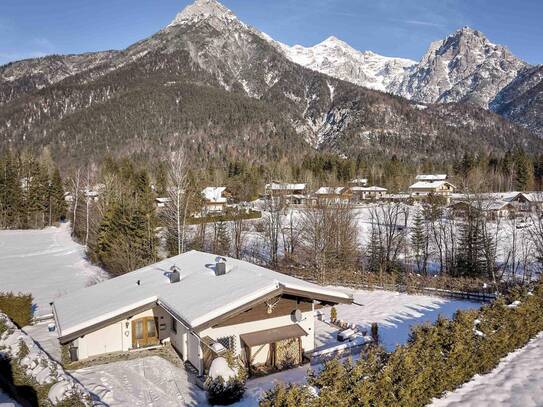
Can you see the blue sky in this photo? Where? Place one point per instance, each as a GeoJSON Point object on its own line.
{"type": "Point", "coordinates": [404, 28]}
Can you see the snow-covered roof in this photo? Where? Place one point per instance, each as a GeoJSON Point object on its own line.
{"type": "Point", "coordinates": [163, 200]}
{"type": "Point", "coordinates": [359, 181]}
{"type": "Point", "coordinates": [214, 194]}
{"type": "Point", "coordinates": [431, 177]}
{"type": "Point", "coordinates": [275, 186]}
{"type": "Point", "coordinates": [329, 191]}
{"type": "Point", "coordinates": [199, 297]}
{"type": "Point", "coordinates": [429, 185]}
{"type": "Point", "coordinates": [368, 189]}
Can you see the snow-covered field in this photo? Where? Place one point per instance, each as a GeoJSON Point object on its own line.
{"type": "Point", "coordinates": [46, 263]}
{"type": "Point", "coordinates": [517, 381]}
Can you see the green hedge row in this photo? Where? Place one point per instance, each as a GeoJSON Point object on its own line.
{"type": "Point", "coordinates": [437, 358]}
{"type": "Point", "coordinates": [18, 307]}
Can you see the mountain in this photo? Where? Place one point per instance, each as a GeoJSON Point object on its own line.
{"type": "Point", "coordinates": [224, 91]}
{"type": "Point", "coordinates": [338, 59]}
{"type": "Point", "coordinates": [522, 100]}
{"type": "Point", "coordinates": [464, 67]}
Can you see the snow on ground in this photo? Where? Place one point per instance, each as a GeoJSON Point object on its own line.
{"type": "Point", "coordinates": [150, 381]}
{"type": "Point", "coordinates": [394, 312]}
{"type": "Point", "coordinates": [516, 381]}
{"type": "Point", "coordinates": [46, 263]}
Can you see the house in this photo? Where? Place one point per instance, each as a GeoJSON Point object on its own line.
{"type": "Point", "coordinates": [161, 202]}
{"type": "Point", "coordinates": [431, 184]}
{"type": "Point", "coordinates": [215, 199]}
{"type": "Point", "coordinates": [295, 194]}
{"type": "Point", "coordinates": [333, 195]}
{"type": "Point", "coordinates": [490, 208]}
{"type": "Point", "coordinates": [365, 193]}
{"type": "Point", "coordinates": [359, 182]}
{"type": "Point", "coordinates": [203, 305]}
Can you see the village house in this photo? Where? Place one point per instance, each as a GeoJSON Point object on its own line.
{"type": "Point", "coordinates": [295, 194]}
{"type": "Point", "coordinates": [203, 305]}
{"type": "Point", "coordinates": [367, 193]}
{"type": "Point", "coordinates": [431, 184]}
{"type": "Point", "coordinates": [161, 202]}
{"type": "Point", "coordinates": [491, 209]}
{"type": "Point", "coordinates": [359, 182]}
{"type": "Point", "coordinates": [215, 200]}
{"type": "Point", "coordinates": [333, 195]}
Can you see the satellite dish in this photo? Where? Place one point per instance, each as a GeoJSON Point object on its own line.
{"type": "Point", "coordinates": [296, 315]}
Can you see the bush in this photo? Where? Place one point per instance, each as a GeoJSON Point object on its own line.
{"type": "Point", "coordinates": [223, 393]}
{"type": "Point", "coordinates": [17, 307]}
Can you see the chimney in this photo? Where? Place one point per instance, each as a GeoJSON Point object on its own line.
{"type": "Point", "coordinates": [175, 275]}
{"type": "Point", "coordinates": [220, 266]}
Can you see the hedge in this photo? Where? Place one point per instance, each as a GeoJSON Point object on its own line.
{"type": "Point", "coordinates": [18, 307]}
{"type": "Point", "coordinates": [437, 358]}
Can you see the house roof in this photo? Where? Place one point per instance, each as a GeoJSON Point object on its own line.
{"type": "Point", "coordinates": [369, 189]}
{"type": "Point", "coordinates": [431, 177]}
{"type": "Point", "coordinates": [214, 194]}
{"type": "Point", "coordinates": [429, 185]}
{"type": "Point", "coordinates": [276, 186]}
{"type": "Point", "coordinates": [329, 191]}
{"type": "Point", "coordinates": [198, 298]}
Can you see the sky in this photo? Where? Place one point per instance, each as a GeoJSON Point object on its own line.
{"type": "Point", "coordinates": [401, 28]}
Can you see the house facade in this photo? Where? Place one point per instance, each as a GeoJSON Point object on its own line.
{"type": "Point", "coordinates": [431, 184]}
{"type": "Point", "coordinates": [290, 193]}
{"type": "Point", "coordinates": [201, 304]}
{"type": "Point", "coordinates": [333, 195]}
{"type": "Point", "coordinates": [368, 193]}
{"type": "Point", "coordinates": [215, 199]}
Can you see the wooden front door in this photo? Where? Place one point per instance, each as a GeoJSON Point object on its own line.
{"type": "Point", "coordinates": [145, 332]}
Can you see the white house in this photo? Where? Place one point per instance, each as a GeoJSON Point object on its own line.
{"type": "Point", "coordinates": [202, 305]}
{"type": "Point", "coordinates": [215, 199]}
{"type": "Point", "coordinates": [292, 193]}
{"type": "Point", "coordinates": [435, 184]}
{"type": "Point", "coordinates": [333, 195]}
{"type": "Point", "coordinates": [364, 193]}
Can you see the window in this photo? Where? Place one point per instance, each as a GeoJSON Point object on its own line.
{"type": "Point", "coordinates": [174, 325]}
{"type": "Point", "coordinates": [229, 342]}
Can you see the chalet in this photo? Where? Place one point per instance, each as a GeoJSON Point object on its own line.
{"type": "Point", "coordinates": [367, 193]}
{"type": "Point", "coordinates": [333, 195]}
{"type": "Point", "coordinates": [359, 182]}
{"type": "Point", "coordinates": [491, 209]}
{"type": "Point", "coordinates": [431, 184]}
{"type": "Point", "coordinates": [202, 305]}
{"type": "Point", "coordinates": [161, 202]}
{"type": "Point", "coordinates": [215, 199]}
{"type": "Point", "coordinates": [291, 193]}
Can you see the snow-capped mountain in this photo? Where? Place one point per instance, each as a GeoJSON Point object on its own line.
{"type": "Point", "coordinates": [465, 66]}
{"type": "Point", "coordinates": [338, 59]}
{"type": "Point", "coordinates": [224, 90]}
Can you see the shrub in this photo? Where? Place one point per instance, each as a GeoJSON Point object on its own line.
{"type": "Point", "coordinates": [223, 393]}
{"type": "Point", "coordinates": [17, 307]}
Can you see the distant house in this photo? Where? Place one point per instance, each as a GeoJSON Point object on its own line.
{"type": "Point", "coordinates": [291, 193]}
{"type": "Point", "coordinates": [491, 209]}
{"type": "Point", "coordinates": [215, 199]}
{"type": "Point", "coordinates": [367, 193]}
{"type": "Point", "coordinates": [161, 202]}
{"type": "Point", "coordinates": [431, 184]}
{"type": "Point", "coordinates": [204, 306]}
{"type": "Point", "coordinates": [359, 182]}
{"type": "Point", "coordinates": [333, 195]}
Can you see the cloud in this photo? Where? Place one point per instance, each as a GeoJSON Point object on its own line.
{"type": "Point", "coordinates": [421, 23]}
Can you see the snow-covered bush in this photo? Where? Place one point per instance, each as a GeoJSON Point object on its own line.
{"type": "Point", "coordinates": [29, 364]}
{"type": "Point", "coordinates": [226, 382]}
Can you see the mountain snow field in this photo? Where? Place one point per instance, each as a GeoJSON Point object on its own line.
{"type": "Point", "coordinates": [45, 263]}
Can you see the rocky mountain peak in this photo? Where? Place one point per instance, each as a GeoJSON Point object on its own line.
{"type": "Point", "coordinates": [202, 10]}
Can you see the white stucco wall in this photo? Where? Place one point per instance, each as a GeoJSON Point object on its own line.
{"type": "Point", "coordinates": [117, 337]}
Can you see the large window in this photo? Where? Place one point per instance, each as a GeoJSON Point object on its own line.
{"type": "Point", "coordinates": [174, 325]}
